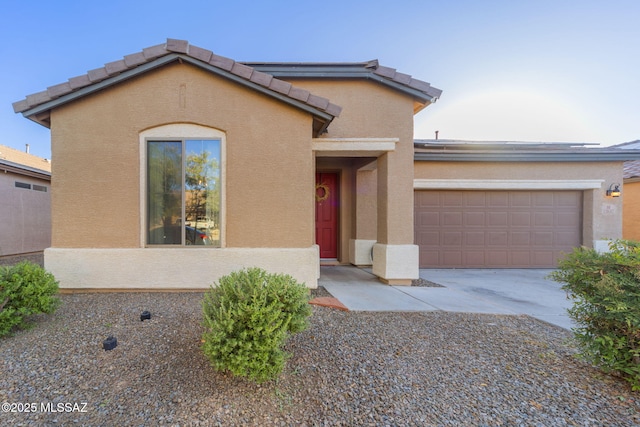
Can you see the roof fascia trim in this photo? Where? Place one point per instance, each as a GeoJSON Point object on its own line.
{"type": "Point", "coordinates": [595, 156]}
{"type": "Point", "coordinates": [125, 75]}
{"type": "Point", "coordinates": [7, 166]}
{"type": "Point", "coordinates": [507, 184]}
{"type": "Point", "coordinates": [341, 72]}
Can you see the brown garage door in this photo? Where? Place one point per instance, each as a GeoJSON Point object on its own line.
{"type": "Point", "coordinates": [496, 229]}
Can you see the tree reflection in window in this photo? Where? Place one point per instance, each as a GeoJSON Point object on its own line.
{"type": "Point", "coordinates": [183, 182]}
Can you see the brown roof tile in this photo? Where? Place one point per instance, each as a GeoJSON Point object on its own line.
{"type": "Point", "coordinates": [134, 59]}
{"type": "Point", "coordinates": [180, 47]}
{"type": "Point", "coordinates": [154, 52]}
{"type": "Point", "coordinates": [115, 67]}
{"type": "Point", "coordinates": [79, 82]}
{"type": "Point", "coordinates": [299, 94]}
{"type": "Point", "coordinates": [97, 75]}
{"type": "Point", "coordinates": [59, 90]}
{"type": "Point", "coordinates": [242, 70]}
{"type": "Point", "coordinates": [203, 55]}
{"type": "Point", "coordinates": [631, 169]}
{"type": "Point", "coordinates": [385, 72]}
{"type": "Point", "coordinates": [280, 86]}
{"type": "Point", "coordinates": [38, 98]}
{"type": "Point", "coordinates": [263, 79]}
{"type": "Point", "coordinates": [20, 106]}
{"type": "Point", "coordinates": [318, 101]}
{"type": "Point", "coordinates": [222, 62]}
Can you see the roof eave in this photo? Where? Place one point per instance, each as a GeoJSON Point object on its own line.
{"type": "Point", "coordinates": [7, 166]}
{"type": "Point", "coordinates": [40, 113]}
{"type": "Point", "coordinates": [343, 71]}
{"type": "Point", "coordinates": [588, 155]}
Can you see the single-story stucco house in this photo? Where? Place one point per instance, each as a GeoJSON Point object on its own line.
{"type": "Point", "coordinates": [25, 202]}
{"type": "Point", "coordinates": [174, 166]}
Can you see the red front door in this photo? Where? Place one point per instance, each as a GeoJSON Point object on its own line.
{"type": "Point", "coordinates": [327, 214]}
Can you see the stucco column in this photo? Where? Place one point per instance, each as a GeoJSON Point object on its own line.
{"type": "Point", "coordinates": [365, 218]}
{"type": "Point", "coordinates": [395, 257]}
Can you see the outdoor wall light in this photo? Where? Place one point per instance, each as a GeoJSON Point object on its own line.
{"type": "Point", "coordinates": [614, 190]}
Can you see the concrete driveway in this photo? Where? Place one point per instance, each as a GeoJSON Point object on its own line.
{"type": "Point", "coordinates": [491, 291]}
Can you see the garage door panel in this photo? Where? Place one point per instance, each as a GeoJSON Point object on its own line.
{"type": "Point", "coordinates": [452, 199]}
{"type": "Point", "coordinates": [474, 219]}
{"type": "Point", "coordinates": [520, 200]}
{"type": "Point", "coordinates": [474, 238]}
{"type": "Point", "coordinates": [452, 238]}
{"type": "Point", "coordinates": [565, 219]}
{"type": "Point", "coordinates": [569, 199]}
{"type": "Point", "coordinates": [543, 219]}
{"type": "Point", "coordinates": [474, 258]}
{"type": "Point", "coordinates": [429, 237]}
{"type": "Point", "coordinates": [521, 238]}
{"type": "Point", "coordinates": [498, 258]}
{"type": "Point", "coordinates": [497, 219]}
{"type": "Point", "coordinates": [498, 199]}
{"type": "Point", "coordinates": [497, 238]}
{"type": "Point", "coordinates": [543, 238]}
{"type": "Point", "coordinates": [452, 257]}
{"type": "Point", "coordinates": [543, 199]}
{"type": "Point", "coordinates": [521, 258]}
{"type": "Point", "coordinates": [521, 219]}
{"type": "Point", "coordinates": [429, 218]}
{"type": "Point", "coordinates": [476, 200]}
{"type": "Point", "coordinates": [452, 218]}
{"type": "Point", "coordinates": [563, 238]}
{"type": "Point", "coordinates": [498, 229]}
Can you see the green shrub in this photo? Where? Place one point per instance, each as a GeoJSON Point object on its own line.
{"type": "Point", "coordinates": [605, 288]}
{"type": "Point", "coordinates": [248, 317]}
{"type": "Point", "coordinates": [25, 289]}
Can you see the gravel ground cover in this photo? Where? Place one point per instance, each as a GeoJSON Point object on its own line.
{"type": "Point", "coordinates": [347, 369]}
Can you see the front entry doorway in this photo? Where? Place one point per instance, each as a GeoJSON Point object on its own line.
{"type": "Point", "coordinates": [327, 199]}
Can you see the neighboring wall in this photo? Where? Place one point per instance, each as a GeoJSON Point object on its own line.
{"type": "Point", "coordinates": [25, 214]}
{"type": "Point", "coordinates": [602, 215]}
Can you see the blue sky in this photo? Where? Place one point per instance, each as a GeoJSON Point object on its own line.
{"type": "Point", "coordinates": [543, 70]}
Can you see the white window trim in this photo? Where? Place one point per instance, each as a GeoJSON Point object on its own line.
{"type": "Point", "coordinates": [181, 131]}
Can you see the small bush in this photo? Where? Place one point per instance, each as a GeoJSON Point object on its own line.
{"type": "Point", "coordinates": [25, 289]}
{"type": "Point", "coordinates": [248, 317]}
{"type": "Point", "coordinates": [605, 288]}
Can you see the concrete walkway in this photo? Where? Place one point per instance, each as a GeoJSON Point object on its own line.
{"type": "Point", "coordinates": [491, 291]}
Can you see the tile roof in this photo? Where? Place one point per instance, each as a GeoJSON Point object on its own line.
{"type": "Point", "coordinates": [631, 169]}
{"type": "Point", "coordinates": [172, 50]}
{"type": "Point", "coordinates": [489, 151]}
{"type": "Point", "coordinates": [23, 162]}
{"type": "Point", "coordinates": [369, 69]}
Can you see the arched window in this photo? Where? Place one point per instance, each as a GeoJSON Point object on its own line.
{"type": "Point", "coordinates": [183, 185]}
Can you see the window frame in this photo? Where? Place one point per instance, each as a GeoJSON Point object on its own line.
{"type": "Point", "coordinates": [179, 132]}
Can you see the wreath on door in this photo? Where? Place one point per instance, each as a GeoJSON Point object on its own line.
{"type": "Point", "coordinates": [325, 192]}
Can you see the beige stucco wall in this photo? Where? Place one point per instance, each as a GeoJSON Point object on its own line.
{"type": "Point", "coordinates": [602, 215]}
{"type": "Point", "coordinates": [25, 215]}
{"type": "Point", "coordinates": [631, 210]}
{"type": "Point", "coordinates": [269, 167]}
{"type": "Point", "coordinates": [371, 110]}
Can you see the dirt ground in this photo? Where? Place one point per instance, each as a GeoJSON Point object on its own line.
{"type": "Point", "coordinates": [35, 257]}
